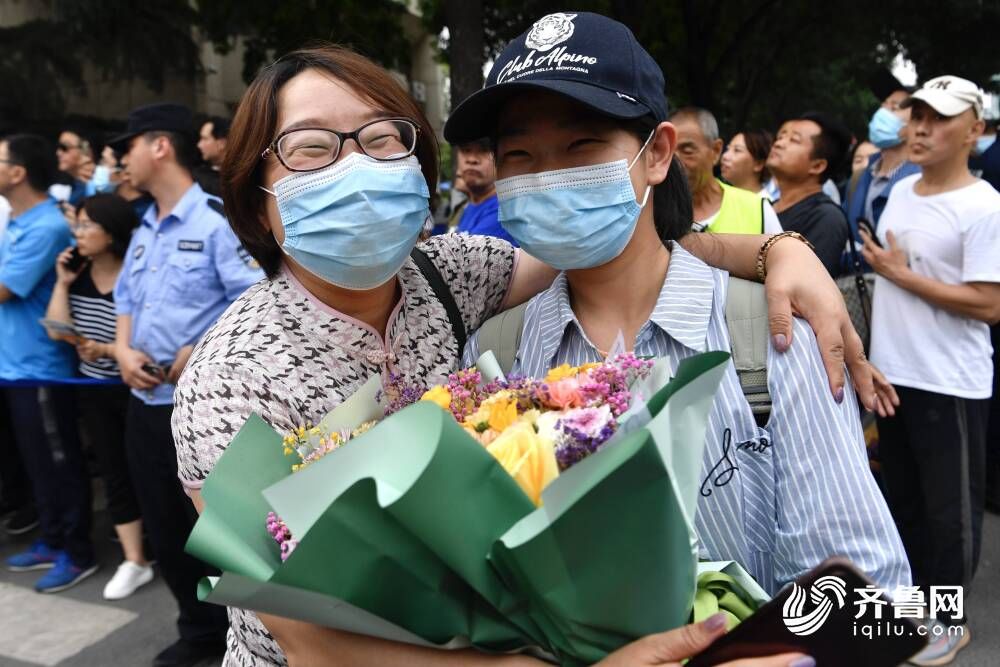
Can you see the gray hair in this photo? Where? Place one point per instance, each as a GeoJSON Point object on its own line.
{"type": "Point", "coordinates": [706, 121]}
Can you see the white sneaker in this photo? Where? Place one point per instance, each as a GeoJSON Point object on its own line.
{"type": "Point", "coordinates": [944, 643]}
{"type": "Point", "coordinates": [128, 577]}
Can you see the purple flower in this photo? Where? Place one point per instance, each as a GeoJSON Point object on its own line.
{"type": "Point", "coordinates": [588, 421]}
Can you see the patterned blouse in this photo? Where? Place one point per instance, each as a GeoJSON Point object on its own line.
{"type": "Point", "coordinates": [278, 351]}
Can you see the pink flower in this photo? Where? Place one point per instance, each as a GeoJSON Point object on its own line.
{"type": "Point", "coordinates": [565, 393]}
{"type": "Point", "coordinates": [588, 421]}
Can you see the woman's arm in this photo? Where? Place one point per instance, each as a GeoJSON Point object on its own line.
{"type": "Point", "coordinates": [58, 309]}
{"type": "Point", "coordinates": [530, 277]}
{"type": "Point", "coordinates": [797, 283]}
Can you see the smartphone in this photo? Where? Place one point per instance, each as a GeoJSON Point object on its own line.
{"type": "Point", "coordinates": [67, 332]}
{"type": "Point", "coordinates": [157, 371]}
{"type": "Point", "coordinates": [868, 228]}
{"type": "Point", "coordinates": [76, 260]}
{"type": "Point", "coordinates": [833, 637]}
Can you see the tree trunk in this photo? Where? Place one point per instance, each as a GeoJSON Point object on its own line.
{"type": "Point", "coordinates": [464, 19]}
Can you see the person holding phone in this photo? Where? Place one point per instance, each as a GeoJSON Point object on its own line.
{"type": "Point", "coordinates": [183, 268]}
{"type": "Point", "coordinates": [83, 297]}
{"type": "Point", "coordinates": [43, 414]}
{"type": "Point", "coordinates": [936, 294]}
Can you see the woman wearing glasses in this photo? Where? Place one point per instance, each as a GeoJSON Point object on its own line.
{"type": "Point", "coordinates": [326, 184]}
{"type": "Point", "coordinates": [82, 298]}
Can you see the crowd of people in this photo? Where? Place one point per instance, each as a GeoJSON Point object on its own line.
{"type": "Point", "coordinates": [159, 286]}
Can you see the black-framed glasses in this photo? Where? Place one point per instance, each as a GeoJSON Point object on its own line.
{"type": "Point", "coordinates": [312, 148]}
{"type": "Point", "coordinates": [6, 161]}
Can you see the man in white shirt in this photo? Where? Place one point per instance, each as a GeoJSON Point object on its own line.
{"type": "Point", "coordinates": [938, 288]}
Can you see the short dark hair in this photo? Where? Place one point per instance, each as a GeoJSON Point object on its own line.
{"type": "Point", "coordinates": [833, 143]}
{"type": "Point", "coordinates": [220, 126]}
{"type": "Point", "coordinates": [90, 139]}
{"type": "Point", "coordinates": [38, 157]}
{"type": "Point", "coordinates": [184, 145]}
{"type": "Point", "coordinates": [255, 122]}
{"type": "Point", "coordinates": [115, 215]}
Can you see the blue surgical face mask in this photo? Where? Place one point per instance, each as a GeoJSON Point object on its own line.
{"type": "Point", "coordinates": [101, 181]}
{"type": "Point", "coordinates": [883, 130]}
{"type": "Point", "coordinates": [353, 224]}
{"type": "Point", "coordinates": [984, 142]}
{"type": "Point", "coordinates": [575, 218]}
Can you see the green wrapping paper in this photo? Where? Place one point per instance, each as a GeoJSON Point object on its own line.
{"type": "Point", "coordinates": [413, 532]}
{"type": "Point", "coordinates": [725, 586]}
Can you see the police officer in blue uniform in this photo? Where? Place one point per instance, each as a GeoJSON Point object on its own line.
{"type": "Point", "coordinates": [183, 268]}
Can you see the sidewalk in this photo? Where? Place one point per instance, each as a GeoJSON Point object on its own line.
{"type": "Point", "coordinates": [92, 632]}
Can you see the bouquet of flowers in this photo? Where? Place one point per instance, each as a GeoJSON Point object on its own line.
{"type": "Point", "coordinates": [494, 512]}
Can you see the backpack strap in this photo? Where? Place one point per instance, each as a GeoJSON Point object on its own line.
{"type": "Point", "coordinates": [502, 334]}
{"type": "Point", "coordinates": [443, 294]}
{"type": "Point", "coordinates": [746, 319]}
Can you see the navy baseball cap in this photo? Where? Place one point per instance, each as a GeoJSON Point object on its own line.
{"type": "Point", "coordinates": [587, 57]}
{"type": "Point", "coordinates": [165, 117]}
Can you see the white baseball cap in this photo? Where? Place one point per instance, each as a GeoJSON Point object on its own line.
{"type": "Point", "coordinates": [949, 96]}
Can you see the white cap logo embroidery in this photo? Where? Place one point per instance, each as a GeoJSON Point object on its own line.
{"type": "Point", "coordinates": [549, 31]}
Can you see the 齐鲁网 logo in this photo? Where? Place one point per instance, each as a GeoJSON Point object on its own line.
{"type": "Point", "coordinates": [801, 622]}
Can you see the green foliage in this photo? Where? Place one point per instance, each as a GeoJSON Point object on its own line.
{"type": "Point", "coordinates": [36, 54]}
{"type": "Point", "coordinates": [270, 29]}
{"type": "Point", "coordinates": [752, 62]}
{"type": "Point", "coordinates": [132, 40]}
{"type": "Point", "coordinates": [755, 62]}
{"type": "Point", "coordinates": [121, 39]}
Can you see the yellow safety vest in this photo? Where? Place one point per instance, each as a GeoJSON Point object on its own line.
{"type": "Point", "coordinates": [742, 212]}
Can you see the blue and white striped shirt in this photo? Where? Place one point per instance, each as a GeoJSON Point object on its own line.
{"type": "Point", "coordinates": [778, 499]}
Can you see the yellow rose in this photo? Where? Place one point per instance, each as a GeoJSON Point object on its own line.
{"type": "Point", "coordinates": [439, 395]}
{"type": "Point", "coordinates": [501, 415]}
{"type": "Point", "coordinates": [528, 458]}
{"type": "Point", "coordinates": [561, 373]}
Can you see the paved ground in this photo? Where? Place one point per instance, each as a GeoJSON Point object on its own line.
{"type": "Point", "coordinates": [78, 628]}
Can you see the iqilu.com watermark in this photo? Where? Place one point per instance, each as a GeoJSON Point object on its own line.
{"type": "Point", "coordinates": [829, 593]}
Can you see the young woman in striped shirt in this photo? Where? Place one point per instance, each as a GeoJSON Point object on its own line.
{"type": "Point", "coordinates": [82, 297]}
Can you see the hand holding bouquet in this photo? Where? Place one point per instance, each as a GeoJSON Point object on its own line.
{"type": "Point", "coordinates": [502, 520]}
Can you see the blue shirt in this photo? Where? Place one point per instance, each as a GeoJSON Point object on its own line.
{"type": "Point", "coordinates": [778, 499]}
{"type": "Point", "coordinates": [483, 219]}
{"type": "Point", "coordinates": [180, 274]}
{"type": "Point", "coordinates": [78, 192]}
{"type": "Point", "coordinates": [868, 201]}
{"type": "Point", "coordinates": [28, 252]}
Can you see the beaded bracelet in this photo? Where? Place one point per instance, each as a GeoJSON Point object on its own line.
{"type": "Point", "coordinates": [766, 248]}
